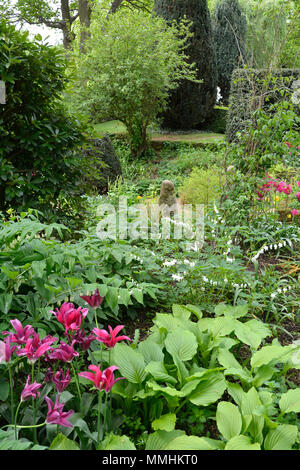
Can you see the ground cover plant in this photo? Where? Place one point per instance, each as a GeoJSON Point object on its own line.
{"type": "Point", "coordinates": [124, 328]}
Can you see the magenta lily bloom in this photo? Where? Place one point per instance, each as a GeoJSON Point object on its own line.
{"type": "Point", "coordinates": [35, 348]}
{"type": "Point", "coordinates": [6, 350]}
{"type": "Point", "coordinates": [61, 379]}
{"type": "Point", "coordinates": [101, 380]}
{"type": "Point", "coordinates": [109, 379]}
{"type": "Point", "coordinates": [70, 317]}
{"type": "Point", "coordinates": [30, 391]}
{"type": "Point", "coordinates": [298, 195]}
{"type": "Point", "coordinates": [93, 300]}
{"type": "Point", "coordinates": [22, 334]}
{"type": "Point", "coordinates": [83, 340]}
{"type": "Point", "coordinates": [110, 339]}
{"type": "Point", "coordinates": [295, 212]}
{"type": "Point", "coordinates": [64, 353]}
{"type": "Point", "coordinates": [56, 415]}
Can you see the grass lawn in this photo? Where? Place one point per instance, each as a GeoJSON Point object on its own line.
{"type": "Point", "coordinates": [116, 127]}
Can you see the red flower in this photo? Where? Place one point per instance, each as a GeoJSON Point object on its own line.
{"type": "Point", "coordinates": [83, 340]}
{"type": "Point", "coordinates": [59, 378]}
{"type": "Point", "coordinates": [56, 415]}
{"type": "Point", "coordinates": [93, 300]}
{"type": "Point", "coordinates": [110, 339]}
{"type": "Point", "coordinates": [70, 317]}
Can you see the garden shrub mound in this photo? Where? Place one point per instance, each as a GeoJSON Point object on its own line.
{"type": "Point", "coordinates": [252, 89]}
{"type": "Point", "coordinates": [108, 162]}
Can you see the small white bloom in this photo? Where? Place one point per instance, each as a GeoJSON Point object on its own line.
{"type": "Point", "coordinates": [177, 277]}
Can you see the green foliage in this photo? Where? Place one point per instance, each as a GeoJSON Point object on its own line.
{"type": "Point", "coordinates": [229, 31]}
{"type": "Point", "coordinates": [252, 90]}
{"type": "Point", "coordinates": [192, 103]}
{"type": "Point", "coordinates": [218, 120]}
{"type": "Point", "coordinates": [202, 186]}
{"type": "Point", "coordinates": [127, 72]}
{"type": "Point", "coordinates": [39, 163]}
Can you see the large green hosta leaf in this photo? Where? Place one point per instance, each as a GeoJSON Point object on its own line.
{"type": "Point", "coordinates": [268, 354]}
{"type": "Point", "coordinates": [181, 344]}
{"type": "Point", "coordinates": [193, 443]}
{"type": "Point", "coordinates": [130, 362]}
{"type": "Point", "coordinates": [290, 401]}
{"type": "Point", "coordinates": [150, 351]}
{"type": "Point", "coordinates": [229, 420]}
{"type": "Point", "coordinates": [241, 443]}
{"type": "Point", "coordinates": [117, 443]}
{"type": "Point", "coordinates": [159, 440]}
{"type": "Point", "coordinates": [165, 422]}
{"type": "Point", "coordinates": [209, 390]}
{"type": "Point", "coordinates": [281, 438]}
{"type": "Point", "coordinates": [159, 372]}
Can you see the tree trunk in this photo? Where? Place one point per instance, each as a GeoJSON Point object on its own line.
{"type": "Point", "coordinates": [68, 36]}
{"type": "Point", "coordinates": [84, 10]}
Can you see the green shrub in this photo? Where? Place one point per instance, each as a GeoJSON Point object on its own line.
{"type": "Point", "coordinates": [252, 89]}
{"type": "Point", "coordinates": [202, 186]}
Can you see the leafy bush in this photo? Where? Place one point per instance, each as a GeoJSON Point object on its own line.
{"type": "Point", "coordinates": [218, 121]}
{"type": "Point", "coordinates": [38, 138]}
{"type": "Point", "coordinates": [202, 186]}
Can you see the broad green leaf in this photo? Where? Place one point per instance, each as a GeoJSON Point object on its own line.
{"type": "Point", "coordinates": [281, 438]}
{"type": "Point", "coordinates": [236, 392]}
{"type": "Point", "coordinates": [290, 401]}
{"type": "Point", "coordinates": [241, 443]}
{"type": "Point", "coordinates": [231, 311]}
{"type": "Point", "coordinates": [166, 320]}
{"type": "Point", "coordinates": [5, 302]}
{"type": "Point", "coordinates": [190, 443]}
{"type": "Point", "coordinates": [150, 351]}
{"type": "Point", "coordinates": [130, 362]}
{"type": "Point", "coordinates": [181, 312]}
{"type": "Point", "coordinates": [61, 442]}
{"type": "Point", "coordinates": [181, 344]}
{"type": "Point", "coordinates": [165, 422]}
{"type": "Point", "coordinates": [159, 440]}
{"type": "Point", "coordinates": [229, 420]}
{"type": "Point", "coordinates": [209, 391]}
{"type": "Point", "coordinates": [4, 389]}
{"type": "Point", "coordinates": [118, 443]}
{"type": "Point", "coordinates": [269, 354]}
{"type": "Point", "coordinates": [159, 372]}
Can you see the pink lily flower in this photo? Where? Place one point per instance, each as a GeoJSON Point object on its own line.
{"type": "Point", "coordinates": [60, 379]}
{"type": "Point", "coordinates": [295, 212]}
{"type": "Point", "coordinates": [35, 348]}
{"type": "Point", "coordinates": [101, 380]}
{"type": "Point", "coordinates": [30, 390]}
{"type": "Point", "coordinates": [56, 415]}
{"type": "Point", "coordinates": [298, 184]}
{"type": "Point", "coordinates": [83, 340]}
{"type": "Point", "coordinates": [109, 379]}
{"type": "Point", "coordinates": [298, 196]}
{"type": "Point", "coordinates": [6, 350]}
{"type": "Point", "coordinates": [110, 339]}
{"type": "Point", "coordinates": [95, 377]}
{"type": "Point", "coordinates": [64, 353]}
{"type": "Point", "coordinates": [70, 317]}
{"type": "Point", "coordinates": [93, 300]}
{"type": "Point", "coordinates": [22, 334]}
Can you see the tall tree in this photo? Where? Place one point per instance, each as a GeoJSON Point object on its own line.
{"type": "Point", "coordinates": [192, 103]}
{"type": "Point", "coordinates": [229, 31]}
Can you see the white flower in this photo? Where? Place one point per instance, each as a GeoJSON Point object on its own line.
{"type": "Point", "coordinates": [229, 260]}
{"type": "Point", "coordinates": [170, 263]}
{"type": "Point", "coordinates": [177, 277]}
{"type": "Point", "coordinates": [273, 295]}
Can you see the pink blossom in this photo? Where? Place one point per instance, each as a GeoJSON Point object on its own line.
{"type": "Point", "coordinates": [295, 212]}
{"type": "Point", "coordinates": [6, 350]}
{"type": "Point", "coordinates": [35, 348]}
{"type": "Point", "coordinates": [56, 415]}
{"type": "Point", "coordinates": [110, 339]}
{"type": "Point", "coordinates": [101, 380]}
{"type": "Point", "coordinates": [22, 334]}
{"type": "Point", "coordinates": [298, 196]}
{"type": "Point", "coordinates": [63, 352]}
{"type": "Point", "coordinates": [93, 300]}
{"type": "Point", "coordinates": [70, 317]}
{"type": "Point", "coordinates": [60, 379]}
{"type": "Point", "coordinates": [83, 340]}
{"type": "Point", "coordinates": [30, 390]}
